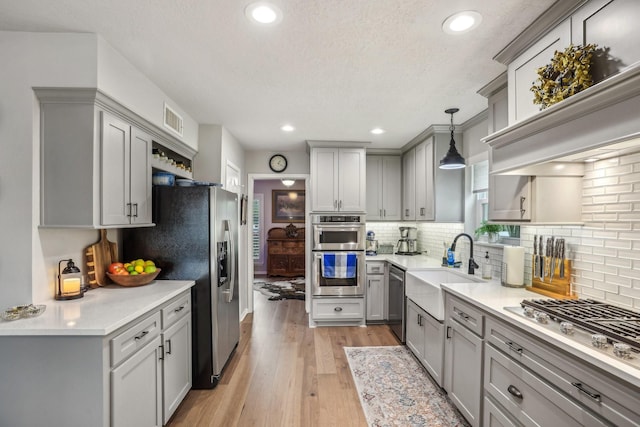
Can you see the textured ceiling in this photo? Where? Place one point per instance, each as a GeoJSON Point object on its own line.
{"type": "Point", "coordinates": [334, 69]}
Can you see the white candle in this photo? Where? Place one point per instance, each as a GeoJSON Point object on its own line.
{"type": "Point", "coordinates": [71, 286]}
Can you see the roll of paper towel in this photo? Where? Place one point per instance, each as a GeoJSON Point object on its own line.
{"type": "Point", "coordinates": [513, 259]}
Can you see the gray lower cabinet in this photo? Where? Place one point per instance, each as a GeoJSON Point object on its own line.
{"type": "Point", "coordinates": [463, 352]}
{"type": "Point", "coordinates": [152, 366]}
{"type": "Point", "coordinates": [424, 337]}
{"type": "Point", "coordinates": [136, 387]}
{"type": "Point", "coordinates": [539, 385]}
{"type": "Point", "coordinates": [376, 295]}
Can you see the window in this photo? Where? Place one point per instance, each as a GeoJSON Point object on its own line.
{"type": "Point", "coordinates": [257, 224]}
{"type": "Point", "coordinates": [480, 189]}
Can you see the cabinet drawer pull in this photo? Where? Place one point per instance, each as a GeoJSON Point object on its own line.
{"type": "Point", "coordinates": [129, 210]}
{"type": "Point", "coordinates": [135, 214]}
{"type": "Point", "coordinates": [463, 315]}
{"type": "Point", "coordinates": [161, 356]}
{"type": "Point", "coordinates": [338, 309]}
{"type": "Point", "coordinates": [419, 320]}
{"type": "Point", "coordinates": [168, 346]}
{"type": "Point", "coordinates": [594, 396]}
{"type": "Point", "coordinates": [421, 211]}
{"type": "Point", "coordinates": [179, 309]}
{"type": "Point", "coordinates": [448, 334]}
{"type": "Point", "coordinates": [142, 335]}
{"type": "Point", "coordinates": [514, 348]}
{"type": "Point", "coordinates": [513, 390]}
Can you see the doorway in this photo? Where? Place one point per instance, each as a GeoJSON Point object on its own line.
{"type": "Point", "coordinates": [283, 210]}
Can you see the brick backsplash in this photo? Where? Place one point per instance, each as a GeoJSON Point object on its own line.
{"type": "Point", "coordinates": [606, 250]}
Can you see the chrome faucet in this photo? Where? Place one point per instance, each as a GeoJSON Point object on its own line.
{"type": "Point", "coordinates": [472, 263]}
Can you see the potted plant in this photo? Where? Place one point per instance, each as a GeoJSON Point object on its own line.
{"type": "Point", "coordinates": [491, 230]}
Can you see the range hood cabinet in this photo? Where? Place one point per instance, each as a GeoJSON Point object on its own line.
{"type": "Point", "coordinates": [604, 114]}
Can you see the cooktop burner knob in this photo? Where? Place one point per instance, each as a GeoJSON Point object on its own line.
{"type": "Point", "coordinates": [622, 350]}
{"type": "Point", "coordinates": [599, 340]}
{"type": "Point", "coordinates": [541, 317]}
{"type": "Point", "coordinates": [566, 328]}
{"type": "Point", "coordinates": [529, 311]}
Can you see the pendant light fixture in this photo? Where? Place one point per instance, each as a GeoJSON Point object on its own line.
{"type": "Point", "coordinates": [453, 159]}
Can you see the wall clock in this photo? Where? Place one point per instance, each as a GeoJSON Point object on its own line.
{"type": "Point", "coordinates": [278, 163]}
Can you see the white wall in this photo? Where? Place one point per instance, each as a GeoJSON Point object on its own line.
{"type": "Point", "coordinates": [207, 164]}
{"type": "Point", "coordinates": [257, 162]}
{"type": "Point", "coordinates": [119, 79]}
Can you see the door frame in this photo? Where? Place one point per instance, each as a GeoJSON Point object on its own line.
{"type": "Point", "coordinates": [251, 178]}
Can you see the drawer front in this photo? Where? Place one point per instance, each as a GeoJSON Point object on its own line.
{"type": "Point", "coordinates": [528, 398]}
{"type": "Point", "coordinates": [605, 396]}
{"type": "Point", "coordinates": [176, 310]}
{"type": "Point", "coordinates": [338, 309]}
{"type": "Point", "coordinates": [495, 416]}
{"type": "Point", "coordinates": [375, 267]}
{"type": "Point", "coordinates": [134, 338]}
{"type": "Point", "coordinates": [467, 315]}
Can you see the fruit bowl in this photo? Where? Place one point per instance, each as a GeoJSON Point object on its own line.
{"type": "Point", "coordinates": [136, 280]}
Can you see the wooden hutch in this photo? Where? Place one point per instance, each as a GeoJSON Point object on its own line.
{"type": "Point", "coordinates": [285, 251]}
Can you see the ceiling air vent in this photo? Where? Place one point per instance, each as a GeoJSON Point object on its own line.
{"type": "Point", "coordinates": [173, 120]}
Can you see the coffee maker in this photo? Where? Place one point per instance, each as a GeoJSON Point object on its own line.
{"type": "Point", "coordinates": [371, 247]}
{"type": "Point", "coordinates": [408, 243]}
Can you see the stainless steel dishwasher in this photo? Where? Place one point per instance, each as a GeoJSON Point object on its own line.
{"type": "Point", "coordinates": [396, 302]}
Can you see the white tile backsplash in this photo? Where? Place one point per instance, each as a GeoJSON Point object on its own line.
{"type": "Point", "coordinates": [606, 250]}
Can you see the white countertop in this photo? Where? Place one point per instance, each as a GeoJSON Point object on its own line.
{"type": "Point", "coordinates": [408, 262]}
{"type": "Point", "coordinates": [493, 298]}
{"type": "Point", "coordinates": [100, 312]}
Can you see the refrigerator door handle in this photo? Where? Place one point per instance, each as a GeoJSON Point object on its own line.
{"type": "Point", "coordinates": [232, 263]}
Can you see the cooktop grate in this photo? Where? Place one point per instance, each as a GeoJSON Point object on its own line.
{"type": "Point", "coordinates": [617, 323]}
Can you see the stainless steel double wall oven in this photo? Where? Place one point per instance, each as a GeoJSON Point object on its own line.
{"type": "Point", "coordinates": [336, 236]}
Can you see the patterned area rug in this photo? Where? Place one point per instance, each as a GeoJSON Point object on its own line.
{"type": "Point", "coordinates": [395, 390]}
{"type": "Point", "coordinates": [285, 289]}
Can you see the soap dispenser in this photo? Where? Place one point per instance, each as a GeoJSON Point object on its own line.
{"type": "Point", "coordinates": [486, 267]}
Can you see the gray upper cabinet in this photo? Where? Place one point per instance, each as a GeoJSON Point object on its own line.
{"type": "Point", "coordinates": [95, 162]}
{"type": "Point", "coordinates": [522, 72]}
{"type": "Point", "coordinates": [338, 179]}
{"type": "Point", "coordinates": [383, 188]}
{"type": "Point", "coordinates": [430, 193]}
{"type": "Point", "coordinates": [126, 173]}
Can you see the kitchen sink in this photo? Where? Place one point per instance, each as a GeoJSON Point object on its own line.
{"type": "Point", "coordinates": [423, 287]}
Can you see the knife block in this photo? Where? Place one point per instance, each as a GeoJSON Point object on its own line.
{"type": "Point", "coordinates": [558, 287]}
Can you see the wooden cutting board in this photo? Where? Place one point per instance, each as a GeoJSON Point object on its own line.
{"type": "Point", "coordinates": [99, 256]}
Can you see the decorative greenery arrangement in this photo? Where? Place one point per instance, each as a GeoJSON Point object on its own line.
{"type": "Point", "coordinates": [486, 228]}
{"type": "Point", "coordinates": [567, 74]}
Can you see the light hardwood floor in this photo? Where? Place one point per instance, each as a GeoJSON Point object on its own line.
{"type": "Point", "coordinates": [284, 374]}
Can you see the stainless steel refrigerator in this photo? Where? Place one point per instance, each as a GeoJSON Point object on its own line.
{"type": "Point", "coordinates": [195, 238]}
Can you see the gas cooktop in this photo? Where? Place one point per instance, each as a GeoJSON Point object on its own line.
{"type": "Point", "coordinates": [612, 330]}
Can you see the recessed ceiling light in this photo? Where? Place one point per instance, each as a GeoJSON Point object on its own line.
{"type": "Point", "coordinates": [377, 131]}
{"type": "Point", "coordinates": [288, 128]}
{"type": "Point", "coordinates": [263, 13]}
{"type": "Point", "coordinates": [461, 22]}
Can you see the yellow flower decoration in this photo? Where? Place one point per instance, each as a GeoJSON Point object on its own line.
{"type": "Point", "coordinates": [567, 74]}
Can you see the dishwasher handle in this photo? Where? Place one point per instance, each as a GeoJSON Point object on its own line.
{"type": "Point", "coordinates": [396, 273]}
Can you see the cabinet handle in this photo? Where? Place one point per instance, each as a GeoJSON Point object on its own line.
{"type": "Point", "coordinates": [418, 319]}
{"type": "Point", "coordinates": [335, 204]}
{"type": "Point", "coordinates": [513, 390]}
{"type": "Point", "coordinates": [129, 210]}
{"type": "Point", "coordinates": [463, 315]}
{"type": "Point", "coordinates": [522, 209]}
{"type": "Point", "coordinates": [448, 330]}
{"type": "Point", "coordinates": [168, 344]}
{"type": "Point", "coordinates": [421, 211]}
{"type": "Point", "coordinates": [368, 283]}
{"type": "Point", "coordinates": [142, 335]}
{"type": "Point", "coordinates": [135, 205]}
{"type": "Point", "coordinates": [340, 204]}
{"type": "Point", "coordinates": [161, 357]}
{"type": "Point", "coordinates": [514, 348]}
{"type": "Point", "coordinates": [179, 309]}
{"type": "Point", "coordinates": [338, 309]}
{"type": "Point", "coordinates": [384, 213]}
{"type": "Point", "coordinates": [594, 396]}
{"type": "Point", "coordinates": [406, 212]}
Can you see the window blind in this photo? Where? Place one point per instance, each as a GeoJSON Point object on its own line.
{"type": "Point", "coordinates": [480, 177]}
{"type": "Point", "coordinates": [257, 224]}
